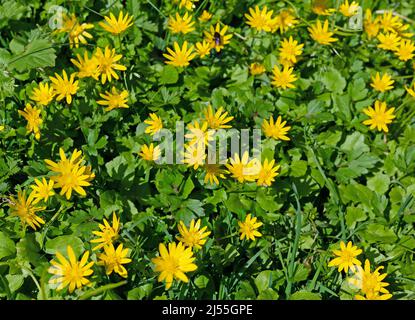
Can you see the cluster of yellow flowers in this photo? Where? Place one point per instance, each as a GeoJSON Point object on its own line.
{"type": "Point", "coordinates": [103, 64]}
{"type": "Point", "coordinates": [370, 284]}
{"type": "Point", "coordinates": [74, 274]}
{"type": "Point", "coordinates": [69, 174]}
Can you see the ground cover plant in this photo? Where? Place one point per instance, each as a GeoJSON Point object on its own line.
{"type": "Point", "coordinates": [93, 207]}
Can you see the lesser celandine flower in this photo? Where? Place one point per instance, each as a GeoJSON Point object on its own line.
{"type": "Point", "coordinates": [200, 133]}
{"type": "Point", "coordinates": [32, 116]}
{"type": "Point", "coordinates": [212, 173]}
{"type": "Point", "coordinates": [380, 117]}
{"type": "Point", "coordinates": [43, 94]}
{"type": "Point", "coordinates": [70, 174]}
{"type": "Point", "coordinates": [405, 50]}
{"type": "Point", "coordinates": [107, 64]}
{"type": "Point", "coordinates": [277, 130]}
{"type": "Point", "coordinates": [195, 155]}
{"type": "Point", "coordinates": [77, 31]}
{"type": "Point", "coordinates": [42, 190]}
{"type": "Point", "coordinates": [180, 57]}
{"type": "Point", "coordinates": [193, 237]}
{"type": "Point", "coordinates": [371, 284]}
{"type": "Point", "coordinates": [320, 33]}
{"type": "Point", "coordinates": [346, 257]}
{"type": "Point", "coordinates": [290, 49]}
{"type": "Point", "coordinates": [267, 173]}
{"type": "Point", "coordinates": [181, 24]}
{"type": "Point", "coordinates": [259, 19]}
{"type": "Point", "coordinates": [187, 4]}
{"type": "Point", "coordinates": [217, 37]}
{"type": "Point", "coordinates": [87, 67]}
{"type": "Point", "coordinates": [256, 68]}
{"type": "Point", "coordinates": [108, 233]}
{"type": "Point", "coordinates": [284, 21]}
{"type": "Point", "coordinates": [243, 169]}
{"type": "Point", "coordinates": [64, 87]}
{"type": "Point", "coordinates": [371, 26]}
{"type": "Point", "coordinates": [205, 16]}
{"type": "Point", "coordinates": [113, 259]}
{"type": "Point", "coordinates": [150, 153]}
{"type": "Point", "coordinates": [155, 124]}
{"type": "Point", "coordinates": [389, 41]}
{"type": "Point", "coordinates": [349, 10]}
{"type": "Point", "coordinates": [382, 83]}
{"type": "Point", "coordinates": [283, 78]}
{"type": "Point", "coordinates": [322, 8]}
{"type": "Point", "coordinates": [218, 119]}
{"type": "Point", "coordinates": [203, 48]}
{"type": "Point", "coordinates": [117, 26]}
{"type": "Point", "coordinates": [24, 208]}
{"type": "Point", "coordinates": [114, 99]}
{"type": "Point", "coordinates": [173, 263]}
{"type": "Point", "coordinates": [70, 273]}
{"type": "Point", "coordinates": [249, 228]}
{"type": "Point", "coordinates": [389, 22]}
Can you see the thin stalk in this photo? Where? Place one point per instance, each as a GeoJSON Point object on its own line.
{"type": "Point", "coordinates": [102, 289]}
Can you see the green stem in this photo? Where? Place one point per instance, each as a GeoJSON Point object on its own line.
{"type": "Point", "coordinates": [46, 228]}
{"type": "Point", "coordinates": [107, 287]}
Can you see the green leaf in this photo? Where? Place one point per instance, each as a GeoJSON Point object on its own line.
{"type": "Point", "coordinates": [379, 183]}
{"type": "Point", "coordinates": [38, 53]}
{"type": "Point", "coordinates": [354, 215]}
{"type": "Point", "coordinates": [15, 281]}
{"type": "Point", "coordinates": [333, 80]}
{"type": "Point", "coordinates": [201, 281]}
{"type": "Point", "coordinates": [305, 295]}
{"type": "Point", "coordinates": [268, 294]}
{"type": "Point", "coordinates": [59, 244]}
{"type": "Point", "coordinates": [376, 232]}
{"type": "Point", "coordinates": [169, 75]}
{"type": "Point", "coordinates": [28, 250]}
{"type": "Point", "coordinates": [298, 168]}
{"type": "Point", "coordinates": [7, 246]}
{"type": "Point", "coordinates": [354, 145]}
{"type": "Point", "coordinates": [188, 188]}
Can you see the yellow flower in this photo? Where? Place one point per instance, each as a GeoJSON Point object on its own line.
{"type": "Point", "coordinates": [205, 16]}
{"type": "Point", "coordinates": [349, 10]}
{"type": "Point", "coordinates": [195, 155]}
{"type": "Point", "coordinates": [370, 26]}
{"type": "Point", "coordinates": [1, 128]}
{"type": "Point", "coordinates": [107, 64]}
{"type": "Point", "coordinates": [217, 37]}
{"type": "Point", "coordinates": [346, 257]}
{"type": "Point", "coordinates": [285, 62]}
{"type": "Point", "coordinates": [259, 19]}
{"type": "Point", "coordinates": [320, 33]}
{"type": "Point", "coordinates": [25, 209]}
{"type": "Point", "coordinates": [64, 87]}
{"type": "Point", "coordinates": [180, 57]}
{"type": "Point", "coordinates": [154, 124]}
{"type": "Point", "coordinates": [321, 8]}
{"type": "Point", "coordinates": [380, 117]}
{"type": "Point", "coordinates": [370, 284]}
{"type": "Point", "coordinates": [290, 49]}
{"type": "Point", "coordinates": [267, 173]}
{"type": "Point", "coordinates": [276, 130]}
{"type": "Point", "coordinates": [43, 94]}
{"type": "Point", "coordinates": [114, 26]}
{"type": "Point", "coordinates": [192, 237]}
{"type": "Point", "coordinates": [243, 169]}
{"type": "Point", "coordinates": [212, 172]}
{"type": "Point", "coordinates": [108, 233]}
{"type": "Point", "coordinates": [70, 173]}
{"type": "Point", "coordinates": [217, 120]}
{"type": "Point", "coordinates": [203, 48]}
{"type": "Point", "coordinates": [405, 50]}
{"type": "Point", "coordinates": [284, 21]}
{"type": "Point", "coordinates": [283, 78]}
{"type": "Point", "coordinates": [32, 116]}
{"type": "Point", "coordinates": [410, 90]}
{"type": "Point", "coordinates": [88, 67]}
{"type": "Point", "coordinates": [77, 32]}
{"type": "Point", "coordinates": [200, 134]}
{"type": "Point", "coordinates": [113, 260]}
{"type": "Point", "coordinates": [174, 263]}
{"type": "Point", "coordinates": [70, 273]}
{"type": "Point", "coordinates": [181, 24]}
{"type": "Point", "coordinates": [389, 22]}
{"type": "Point", "coordinates": [389, 41]}
{"type": "Point", "coordinates": [114, 99]}
{"type": "Point", "coordinates": [248, 228]}
{"type": "Point", "coordinates": [150, 153]}
{"type": "Point", "coordinates": [383, 83]}
{"type": "Point", "coordinates": [42, 190]}
{"type": "Point", "coordinates": [187, 4]}
{"type": "Point", "coordinates": [256, 68]}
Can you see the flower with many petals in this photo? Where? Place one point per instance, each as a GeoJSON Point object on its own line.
{"type": "Point", "coordinates": [43, 94]}
{"type": "Point", "coordinates": [194, 236]}
{"type": "Point", "coordinates": [276, 130]}
{"type": "Point", "coordinates": [349, 10]}
{"type": "Point", "coordinates": [382, 83]}
{"type": "Point", "coordinates": [42, 190]}
{"type": "Point", "coordinates": [155, 124]}
{"type": "Point", "coordinates": [107, 64]}
{"type": "Point", "coordinates": [64, 87]}
{"type": "Point", "coordinates": [320, 33]}
{"type": "Point", "coordinates": [108, 233]}
{"type": "Point", "coordinates": [267, 173]}
{"type": "Point", "coordinates": [284, 21]}
{"type": "Point", "coordinates": [389, 41]}
{"type": "Point", "coordinates": [180, 24]}
{"type": "Point", "coordinates": [283, 78]}
{"type": "Point", "coordinates": [256, 68]}
{"type": "Point", "coordinates": [380, 117]}
{"type": "Point", "coordinates": [32, 116]}
{"type": "Point", "coordinates": [259, 19]}
{"type": "Point", "coordinates": [114, 99]}
{"type": "Point", "coordinates": [113, 259]}
{"type": "Point", "coordinates": [218, 119]}
{"type": "Point", "coordinates": [217, 37]}
{"type": "Point", "coordinates": [203, 48]}
{"type": "Point", "coordinates": [346, 257]}
{"type": "Point", "coordinates": [249, 228]}
{"type": "Point", "coordinates": [405, 50]}
{"type": "Point", "coordinates": [150, 153]}
{"type": "Point", "coordinates": [290, 49]}
{"type": "Point", "coordinates": [117, 26]}
{"type": "Point", "coordinates": [180, 57]}
{"type": "Point", "coordinates": [24, 208]}
{"type": "Point", "coordinates": [87, 67]}
{"type": "Point", "coordinates": [243, 169]}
